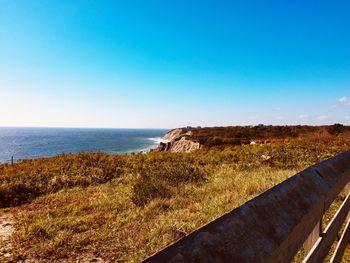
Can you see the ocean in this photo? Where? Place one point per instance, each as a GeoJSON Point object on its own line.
{"type": "Point", "coordinates": [27, 143]}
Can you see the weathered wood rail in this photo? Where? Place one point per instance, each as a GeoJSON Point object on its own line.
{"type": "Point", "coordinates": [275, 225]}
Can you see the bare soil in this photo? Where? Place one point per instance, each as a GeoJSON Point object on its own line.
{"type": "Point", "coordinates": [6, 230]}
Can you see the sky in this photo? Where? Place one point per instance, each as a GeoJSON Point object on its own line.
{"type": "Point", "coordinates": [165, 64]}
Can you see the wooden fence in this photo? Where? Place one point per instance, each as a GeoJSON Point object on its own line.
{"type": "Point", "coordinates": [275, 225]}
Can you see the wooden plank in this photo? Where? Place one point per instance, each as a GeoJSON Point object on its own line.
{"type": "Point", "coordinates": [269, 228]}
{"type": "Point", "coordinates": [313, 237]}
{"type": "Point", "coordinates": [320, 250]}
{"type": "Point", "coordinates": [337, 183]}
{"type": "Point", "coordinates": [347, 188]}
{"type": "Point", "coordinates": [339, 251]}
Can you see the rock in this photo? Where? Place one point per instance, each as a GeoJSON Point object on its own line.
{"type": "Point", "coordinates": [174, 134]}
{"type": "Point", "coordinates": [265, 157]}
{"type": "Point", "coordinates": [183, 145]}
{"type": "Point", "coordinates": [177, 141]}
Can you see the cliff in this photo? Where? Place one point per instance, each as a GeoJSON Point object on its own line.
{"type": "Point", "coordinates": [189, 139]}
{"type": "Point", "coordinates": [174, 134]}
{"type": "Point", "coordinates": [177, 140]}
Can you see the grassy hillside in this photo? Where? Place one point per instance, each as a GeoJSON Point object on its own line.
{"type": "Point", "coordinates": [125, 207]}
{"type": "Point", "coordinates": [237, 135]}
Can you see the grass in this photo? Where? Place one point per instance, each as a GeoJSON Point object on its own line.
{"type": "Point", "coordinates": [27, 180]}
{"type": "Point", "coordinates": [123, 208]}
{"type": "Point", "coordinates": [104, 221]}
{"type": "Point", "coordinates": [237, 135]}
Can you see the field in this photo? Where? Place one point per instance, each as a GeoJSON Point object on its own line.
{"type": "Point", "coordinates": [123, 208]}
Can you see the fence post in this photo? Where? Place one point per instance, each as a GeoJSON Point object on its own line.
{"type": "Point", "coordinates": [12, 160]}
{"type": "Point", "coordinates": [313, 237]}
{"type": "Point", "coordinates": [347, 190]}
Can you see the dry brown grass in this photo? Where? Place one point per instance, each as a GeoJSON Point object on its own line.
{"type": "Point", "coordinates": [104, 221]}
{"type": "Point", "coordinates": [91, 211]}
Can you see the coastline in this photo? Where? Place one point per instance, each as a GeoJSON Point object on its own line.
{"type": "Point", "coordinates": [26, 144]}
{"type": "Point", "coordinates": [156, 141]}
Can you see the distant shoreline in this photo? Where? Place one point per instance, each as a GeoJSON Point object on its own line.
{"type": "Point", "coordinates": [143, 150]}
{"type": "Point", "coordinates": [33, 143]}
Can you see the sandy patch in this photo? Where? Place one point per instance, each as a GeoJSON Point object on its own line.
{"type": "Point", "coordinates": [6, 230]}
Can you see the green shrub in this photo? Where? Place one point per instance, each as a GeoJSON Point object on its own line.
{"type": "Point", "coordinates": [146, 189]}
{"type": "Point", "coordinates": [161, 179]}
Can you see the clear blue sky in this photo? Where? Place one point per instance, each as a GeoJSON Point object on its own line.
{"type": "Point", "coordinates": [173, 63]}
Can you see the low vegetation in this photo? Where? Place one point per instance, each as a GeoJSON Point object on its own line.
{"type": "Point", "coordinates": [237, 135]}
{"type": "Point", "coordinates": [126, 207]}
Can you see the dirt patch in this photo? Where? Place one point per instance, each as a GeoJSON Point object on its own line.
{"type": "Point", "coordinates": [6, 253]}
{"type": "Point", "coordinates": [6, 230]}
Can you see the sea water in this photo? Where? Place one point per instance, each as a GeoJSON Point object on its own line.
{"type": "Point", "coordinates": [26, 143]}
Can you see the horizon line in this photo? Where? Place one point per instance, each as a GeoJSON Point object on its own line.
{"type": "Point", "coordinates": [163, 128]}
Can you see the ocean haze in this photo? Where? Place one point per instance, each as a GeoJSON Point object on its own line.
{"type": "Point", "coordinates": [26, 143]}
